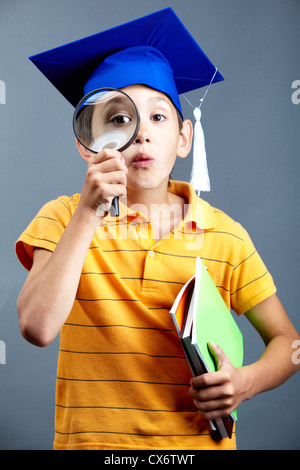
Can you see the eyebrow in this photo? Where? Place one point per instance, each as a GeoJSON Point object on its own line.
{"type": "Point", "coordinates": [161, 98]}
{"type": "Point", "coordinates": [117, 100]}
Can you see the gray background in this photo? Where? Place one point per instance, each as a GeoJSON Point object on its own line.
{"type": "Point", "coordinates": [252, 136]}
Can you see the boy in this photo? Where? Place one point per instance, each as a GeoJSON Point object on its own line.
{"type": "Point", "coordinates": [123, 381]}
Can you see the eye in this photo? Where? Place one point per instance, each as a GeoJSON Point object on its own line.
{"type": "Point", "coordinates": [120, 119]}
{"type": "Point", "coordinates": [158, 117]}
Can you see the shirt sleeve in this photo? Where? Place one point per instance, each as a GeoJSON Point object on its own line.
{"type": "Point", "coordinates": [45, 230]}
{"type": "Point", "coordinates": [251, 282]}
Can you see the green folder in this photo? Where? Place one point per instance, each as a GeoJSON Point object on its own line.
{"type": "Point", "coordinates": [201, 315]}
{"type": "Point", "coordinates": [213, 321]}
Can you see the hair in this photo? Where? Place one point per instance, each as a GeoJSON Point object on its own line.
{"type": "Point", "coordinates": [180, 124]}
{"type": "Point", "coordinates": [179, 119]}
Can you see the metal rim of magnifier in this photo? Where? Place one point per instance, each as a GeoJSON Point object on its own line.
{"type": "Point", "coordinates": [97, 91]}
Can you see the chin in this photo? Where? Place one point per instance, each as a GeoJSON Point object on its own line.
{"type": "Point", "coordinates": [140, 186]}
{"type": "Point", "coordinates": [146, 184]}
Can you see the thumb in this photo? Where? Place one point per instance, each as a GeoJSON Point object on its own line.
{"type": "Point", "coordinates": [218, 354]}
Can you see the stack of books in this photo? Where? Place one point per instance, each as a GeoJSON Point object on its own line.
{"type": "Point", "coordinates": [200, 315]}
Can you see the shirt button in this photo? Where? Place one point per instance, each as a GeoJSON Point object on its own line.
{"type": "Point", "coordinates": [151, 253]}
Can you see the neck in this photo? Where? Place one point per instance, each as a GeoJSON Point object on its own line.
{"type": "Point", "coordinates": [149, 197]}
{"type": "Point", "coordinates": [163, 209]}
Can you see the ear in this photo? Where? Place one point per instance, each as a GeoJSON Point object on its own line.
{"type": "Point", "coordinates": [84, 152]}
{"type": "Point", "coordinates": [185, 139]}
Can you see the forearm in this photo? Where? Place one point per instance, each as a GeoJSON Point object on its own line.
{"type": "Point", "coordinates": [218, 393]}
{"type": "Point", "coordinates": [278, 333]}
{"type": "Point", "coordinates": [47, 298]}
{"type": "Point", "coordinates": [273, 368]}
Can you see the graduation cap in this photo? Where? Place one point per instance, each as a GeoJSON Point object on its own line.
{"type": "Point", "coordinates": [155, 50]}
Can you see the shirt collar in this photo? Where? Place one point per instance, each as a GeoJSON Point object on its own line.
{"type": "Point", "coordinates": [197, 210]}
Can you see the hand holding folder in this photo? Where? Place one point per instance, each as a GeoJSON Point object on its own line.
{"type": "Point", "coordinates": [200, 315]}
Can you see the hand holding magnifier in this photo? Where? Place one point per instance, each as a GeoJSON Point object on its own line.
{"type": "Point", "coordinates": [106, 118]}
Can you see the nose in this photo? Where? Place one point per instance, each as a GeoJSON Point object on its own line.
{"type": "Point", "coordinates": [143, 135]}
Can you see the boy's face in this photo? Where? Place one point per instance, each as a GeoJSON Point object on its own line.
{"type": "Point", "coordinates": [151, 157]}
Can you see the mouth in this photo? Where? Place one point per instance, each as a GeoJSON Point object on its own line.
{"type": "Point", "coordinates": [142, 160]}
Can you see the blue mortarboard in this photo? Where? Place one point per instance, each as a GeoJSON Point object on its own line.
{"type": "Point", "coordinates": [155, 50]}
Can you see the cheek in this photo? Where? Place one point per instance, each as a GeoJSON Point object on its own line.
{"type": "Point", "coordinates": [168, 150]}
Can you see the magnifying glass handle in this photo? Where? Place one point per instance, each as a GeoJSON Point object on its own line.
{"type": "Point", "coordinates": [114, 209]}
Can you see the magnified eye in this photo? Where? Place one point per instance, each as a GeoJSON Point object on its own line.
{"type": "Point", "coordinates": [120, 119]}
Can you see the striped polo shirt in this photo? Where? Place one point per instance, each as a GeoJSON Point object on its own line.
{"type": "Point", "coordinates": [122, 378]}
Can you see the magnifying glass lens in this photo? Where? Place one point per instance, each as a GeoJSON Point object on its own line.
{"type": "Point", "coordinates": [106, 118]}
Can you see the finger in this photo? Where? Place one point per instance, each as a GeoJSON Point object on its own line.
{"type": "Point", "coordinates": [108, 191]}
{"type": "Point", "coordinates": [218, 354]}
{"type": "Point", "coordinates": [211, 393]}
{"type": "Point", "coordinates": [106, 154]}
{"type": "Point", "coordinates": [114, 177]}
{"type": "Point", "coordinates": [109, 164]}
{"type": "Point", "coordinates": [110, 173]}
{"type": "Point", "coordinates": [210, 379]}
{"type": "Point", "coordinates": [214, 405]}
{"type": "Point", "coordinates": [116, 190]}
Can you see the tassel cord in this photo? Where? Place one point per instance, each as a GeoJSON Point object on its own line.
{"type": "Point", "coordinates": [199, 175]}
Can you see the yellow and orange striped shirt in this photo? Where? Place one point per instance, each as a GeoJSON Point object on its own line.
{"type": "Point", "coordinates": [122, 379]}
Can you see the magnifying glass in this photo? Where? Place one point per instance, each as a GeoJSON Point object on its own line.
{"type": "Point", "coordinates": [106, 118]}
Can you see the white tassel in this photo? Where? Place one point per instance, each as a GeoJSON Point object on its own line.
{"type": "Point", "coordinates": [199, 175]}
